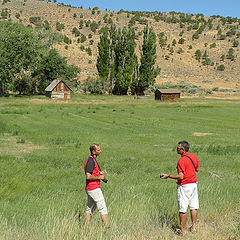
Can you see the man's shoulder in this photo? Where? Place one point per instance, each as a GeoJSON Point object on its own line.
{"type": "Point", "coordinates": [89, 159]}
{"type": "Point", "coordinates": [192, 155]}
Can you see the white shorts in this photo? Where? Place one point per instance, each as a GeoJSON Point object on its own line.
{"type": "Point", "coordinates": [187, 195]}
{"type": "Point", "coordinates": [96, 200]}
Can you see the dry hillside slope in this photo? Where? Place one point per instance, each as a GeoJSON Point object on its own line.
{"type": "Point", "coordinates": [177, 61]}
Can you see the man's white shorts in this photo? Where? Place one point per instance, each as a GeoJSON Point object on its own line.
{"type": "Point", "coordinates": [96, 199]}
{"type": "Point", "coordinates": [187, 195]}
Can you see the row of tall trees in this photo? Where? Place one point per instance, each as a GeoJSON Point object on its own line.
{"type": "Point", "coordinates": [117, 62]}
{"type": "Point", "coordinates": [27, 65]}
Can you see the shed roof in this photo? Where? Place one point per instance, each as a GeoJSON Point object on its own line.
{"type": "Point", "coordinates": [54, 83]}
{"type": "Point", "coordinates": [169, 90]}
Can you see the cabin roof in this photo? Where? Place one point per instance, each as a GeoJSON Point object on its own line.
{"type": "Point", "coordinates": [54, 83]}
{"type": "Point", "coordinates": [169, 91]}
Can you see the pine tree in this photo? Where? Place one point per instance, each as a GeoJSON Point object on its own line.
{"type": "Point", "coordinates": [147, 72]}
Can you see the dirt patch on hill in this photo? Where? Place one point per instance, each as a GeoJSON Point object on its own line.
{"type": "Point", "coordinates": [201, 134]}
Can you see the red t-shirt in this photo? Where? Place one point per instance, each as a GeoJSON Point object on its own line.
{"type": "Point", "coordinates": [186, 166]}
{"type": "Point", "coordinates": [91, 166]}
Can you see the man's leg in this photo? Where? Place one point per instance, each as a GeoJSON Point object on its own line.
{"type": "Point", "coordinates": [194, 219]}
{"type": "Point", "coordinates": [105, 220]}
{"type": "Point", "coordinates": [91, 206]}
{"type": "Point", "coordinates": [183, 220]}
{"type": "Point", "coordinates": [87, 218]}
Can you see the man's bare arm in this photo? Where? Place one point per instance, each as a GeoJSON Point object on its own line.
{"type": "Point", "coordinates": [91, 177]}
{"type": "Point", "coordinates": [177, 177]}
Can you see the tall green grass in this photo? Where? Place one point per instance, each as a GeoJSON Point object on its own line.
{"type": "Point", "coordinates": [44, 143]}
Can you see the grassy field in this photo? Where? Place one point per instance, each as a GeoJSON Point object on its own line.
{"type": "Point", "coordinates": [44, 143]}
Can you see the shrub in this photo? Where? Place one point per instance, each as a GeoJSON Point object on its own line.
{"type": "Point", "coordinates": [83, 38]}
{"type": "Point", "coordinates": [67, 40]}
{"type": "Point", "coordinates": [59, 26]}
{"type": "Point", "coordinates": [213, 45]}
{"type": "Point", "coordinates": [89, 51]}
{"type": "Point", "coordinates": [75, 32]}
{"type": "Point", "coordinates": [181, 41]}
{"type": "Point", "coordinates": [221, 67]}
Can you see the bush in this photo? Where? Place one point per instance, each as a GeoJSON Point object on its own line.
{"type": "Point", "coordinates": [75, 32]}
{"type": "Point", "coordinates": [67, 40]}
{"type": "Point", "coordinates": [181, 41]}
{"type": "Point", "coordinates": [59, 26]}
{"type": "Point", "coordinates": [83, 38]}
{"type": "Point", "coordinates": [89, 51]}
{"type": "Point", "coordinates": [93, 86]}
{"type": "Point", "coordinates": [213, 45]}
{"type": "Point", "coordinates": [221, 67]}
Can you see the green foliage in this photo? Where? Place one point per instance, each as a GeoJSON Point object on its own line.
{"type": "Point", "coordinates": [53, 66]}
{"type": "Point", "coordinates": [83, 38]}
{"type": "Point", "coordinates": [147, 71]}
{"type": "Point", "coordinates": [20, 50]}
{"type": "Point", "coordinates": [181, 33]}
{"type": "Point", "coordinates": [93, 26]}
{"type": "Point", "coordinates": [206, 61]}
{"type": "Point", "coordinates": [89, 51]}
{"type": "Point", "coordinates": [67, 40]}
{"type": "Point", "coordinates": [222, 37]}
{"type": "Point", "coordinates": [180, 50]}
{"type": "Point", "coordinates": [174, 42]}
{"type": "Point", "coordinates": [221, 67]}
{"type": "Point", "coordinates": [25, 60]}
{"type": "Point", "coordinates": [162, 40]}
{"type": "Point", "coordinates": [181, 41]}
{"type": "Point", "coordinates": [59, 26]}
{"type": "Point", "coordinates": [17, 15]}
{"type": "Point", "coordinates": [125, 60]}
{"type": "Point", "coordinates": [103, 59]}
{"type": "Point", "coordinates": [198, 54]}
{"type": "Point", "coordinates": [195, 36]}
{"type": "Point", "coordinates": [75, 32]}
{"type": "Point", "coordinates": [4, 13]}
{"type": "Point", "coordinates": [235, 43]}
{"type": "Point", "coordinates": [46, 25]}
{"type": "Point", "coordinates": [80, 24]}
{"type": "Point", "coordinates": [35, 20]}
{"type": "Point", "coordinates": [213, 45]}
{"type": "Point", "coordinates": [93, 86]}
{"type": "Point", "coordinates": [230, 54]}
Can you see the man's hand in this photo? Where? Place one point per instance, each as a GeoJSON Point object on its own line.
{"type": "Point", "coordinates": [102, 177]}
{"type": "Point", "coordinates": [164, 176]}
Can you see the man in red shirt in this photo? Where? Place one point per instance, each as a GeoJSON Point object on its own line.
{"type": "Point", "coordinates": [93, 186]}
{"type": "Point", "coordinates": [187, 193]}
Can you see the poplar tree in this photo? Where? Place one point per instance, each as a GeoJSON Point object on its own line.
{"type": "Point", "coordinates": [103, 59]}
{"type": "Point", "coordinates": [125, 61]}
{"type": "Point", "coordinates": [147, 71]}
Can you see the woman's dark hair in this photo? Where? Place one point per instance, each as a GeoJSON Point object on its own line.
{"type": "Point", "coordinates": [185, 145]}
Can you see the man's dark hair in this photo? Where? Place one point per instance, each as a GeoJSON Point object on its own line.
{"type": "Point", "coordinates": [93, 147]}
{"type": "Point", "coordinates": [185, 145]}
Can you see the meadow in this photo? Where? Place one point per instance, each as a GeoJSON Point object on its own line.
{"type": "Point", "coordinates": [44, 143]}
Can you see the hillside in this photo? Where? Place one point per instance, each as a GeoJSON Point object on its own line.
{"type": "Point", "coordinates": [214, 36]}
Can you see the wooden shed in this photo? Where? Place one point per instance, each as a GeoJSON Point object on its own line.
{"type": "Point", "coordinates": [167, 94]}
{"type": "Point", "coordinates": [58, 89]}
